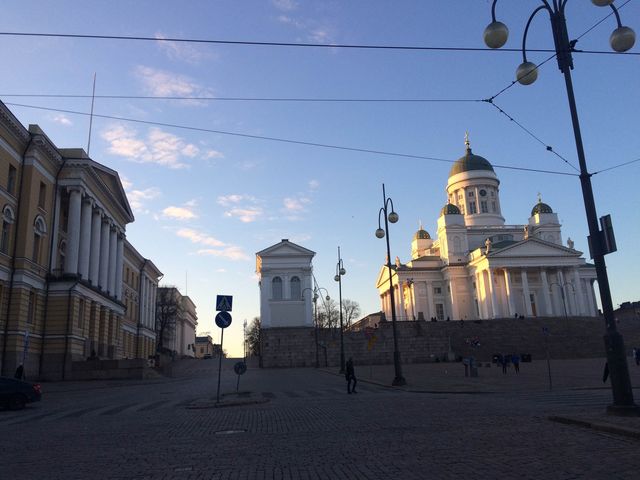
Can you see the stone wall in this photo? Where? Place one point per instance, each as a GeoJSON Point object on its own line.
{"type": "Point", "coordinates": [430, 341]}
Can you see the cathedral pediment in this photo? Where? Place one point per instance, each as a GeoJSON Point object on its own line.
{"type": "Point", "coordinates": [285, 249]}
{"type": "Point", "coordinates": [534, 247]}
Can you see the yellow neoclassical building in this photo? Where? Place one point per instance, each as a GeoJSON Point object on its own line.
{"type": "Point", "coordinates": [71, 285]}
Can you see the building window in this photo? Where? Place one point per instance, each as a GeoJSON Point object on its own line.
{"type": "Point", "coordinates": [11, 181]}
{"type": "Point", "coordinates": [483, 206]}
{"type": "Point", "coordinates": [39, 229]}
{"type": "Point", "coordinates": [7, 221]}
{"type": "Point", "coordinates": [31, 309]}
{"type": "Point", "coordinates": [276, 288]}
{"type": "Point", "coordinates": [493, 206]}
{"type": "Point", "coordinates": [295, 288]}
{"type": "Point", "coordinates": [471, 193]}
{"type": "Point", "coordinates": [440, 311]}
{"type": "Point", "coordinates": [42, 195]}
{"type": "Point", "coordinates": [437, 291]}
{"type": "Point", "coordinates": [472, 207]}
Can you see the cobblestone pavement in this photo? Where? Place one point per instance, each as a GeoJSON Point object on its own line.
{"type": "Point", "coordinates": [305, 426]}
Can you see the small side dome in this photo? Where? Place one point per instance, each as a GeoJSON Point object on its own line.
{"type": "Point", "coordinates": [450, 209]}
{"type": "Point", "coordinates": [422, 234]}
{"type": "Point", "coordinates": [541, 208]}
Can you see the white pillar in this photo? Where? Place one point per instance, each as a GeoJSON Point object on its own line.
{"type": "Point", "coordinates": [142, 300]}
{"type": "Point", "coordinates": [526, 292]}
{"type": "Point", "coordinates": [85, 238]}
{"type": "Point", "coordinates": [579, 298]}
{"type": "Point", "coordinates": [455, 312]}
{"type": "Point", "coordinates": [73, 231]}
{"type": "Point", "coordinates": [55, 232]}
{"type": "Point", "coordinates": [154, 291]}
{"type": "Point", "coordinates": [481, 295]}
{"type": "Point", "coordinates": [119, 265]}
{"type": "Point", "coordinates": [565, 292]}
{"type": "Point", "coordinates": [492, 291]}
{"type": "Point", "coordinates": [112, 261]}
{"type": "Point", "coordinates": [432, 307]}
{"type": "Point", "coordinates": [591, 299]}
{"type": "Point", "coordinates": [509, 292]}
{"type": "Point", "coordinates": [545, 292]}
{"type": "Point", "coordinates": [104, 254]}
{"type": "Point", "coordinates": [94, 252]}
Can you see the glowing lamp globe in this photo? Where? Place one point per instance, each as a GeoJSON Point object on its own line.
{"type": "Point", "coordinates": [495, 35]}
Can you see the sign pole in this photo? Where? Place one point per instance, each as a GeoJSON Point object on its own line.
{"type": "Point", "coordinates": [220, 364]}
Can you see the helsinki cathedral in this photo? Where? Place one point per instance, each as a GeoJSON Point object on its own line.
{"type": "Point", "coordinates": [480, 268]}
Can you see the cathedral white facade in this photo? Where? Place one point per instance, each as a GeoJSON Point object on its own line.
{"type": "Point", "coordinates": [481, 268]}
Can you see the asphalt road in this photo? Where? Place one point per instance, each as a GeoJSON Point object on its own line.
{"type": "Point", "coordinates": [300, 423]}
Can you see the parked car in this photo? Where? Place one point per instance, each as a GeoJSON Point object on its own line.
{"type": "Point", "coordinates": [207, 356]}
{"type": "Point", "coordinates": [15, 394]}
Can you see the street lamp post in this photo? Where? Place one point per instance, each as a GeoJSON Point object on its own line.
{"type": "Point", "coordinates": [380, 233]}
{"type": "Point", "coordinates": [621, 40]}
{"type": "Point", "coordinates": [316, 290]}
{"type": "Point", "coordinates": [340, 271]}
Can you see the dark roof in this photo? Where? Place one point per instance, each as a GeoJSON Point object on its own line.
{"type": "Point", "coordinates": [541, 208]}
{"type": "Point", "coordinates": [422, 234]}
{"type": "Point", "coordinates": [470, 162]}
{"type": "Point", "coordinates": [450, 209]}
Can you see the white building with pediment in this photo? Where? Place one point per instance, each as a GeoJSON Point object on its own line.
{"type": "Point", "coordinates": [481, 268]}
{"type": "Point", "coordinates": [285, 272]}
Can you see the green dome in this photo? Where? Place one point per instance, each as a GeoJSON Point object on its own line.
{"type": "Point", "coordinates": [541, 208]}
{"type": "Point", "coordinates": [450, 209]}
{"type": "Point", "coordinates": [470, 162]}
{"type": "Point", "coordinates": [422, 234]}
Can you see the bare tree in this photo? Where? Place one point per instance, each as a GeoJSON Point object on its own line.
{"type": "Point", "coordinates": [253, 337]}
{"type": "Point", "coordinates": [351, 311]}
{"type": "Point", "coordinates": [168, 310]}
{"type": "Point", "coordinates": [328, 314]}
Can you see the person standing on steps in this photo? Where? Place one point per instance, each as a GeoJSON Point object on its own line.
{"type": "Point", "coordinates": [350, 376]}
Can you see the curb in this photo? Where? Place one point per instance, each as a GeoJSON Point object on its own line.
{"type": "Point", "coordinates": [598, 426]}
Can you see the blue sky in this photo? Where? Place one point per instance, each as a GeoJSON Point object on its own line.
{"type": "Point", "coordinates": [205, 203]}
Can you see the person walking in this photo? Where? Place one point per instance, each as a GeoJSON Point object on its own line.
{"type": "Point", "coordinates": [504, 361]}
{"type": "Point", "coordinates": [515, 359]}
{"type": "Point", "coordinates": [636, 355]}
{"type": "Point", "coordinates": [19, 375]}
{"type": "Point", "coordinates": [351, 377]}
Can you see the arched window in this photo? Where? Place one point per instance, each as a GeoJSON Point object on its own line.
{"type": "Point", "coordinates": [276, 288]}
{"type": "Point", "coordinates": [295, 288]}
{"type": "Point", "coordinates": [7, 220]}
{"type": "Point", "coordinates": [39, 230]}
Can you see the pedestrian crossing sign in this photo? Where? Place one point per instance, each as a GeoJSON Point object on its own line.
{"type": "Point", "coordinates": [223, 303]}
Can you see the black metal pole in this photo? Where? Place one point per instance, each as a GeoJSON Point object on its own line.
{"type": "Point", "coordinates": [315, 315]}
{"type": "Point", "coordinates": [398, 380]}
{"type": "Point", "coordinates": [339, 274]}
{"type": "Point", "coordinates": [220, 364]}
{"type": "Point", "coordinates": [614, 345]}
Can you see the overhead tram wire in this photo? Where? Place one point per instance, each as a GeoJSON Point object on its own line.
{"type": "Point", "coordinates": [624, 164]}
{"type": "Point", "coordinates": [287, 44]}
{"type": "Point", "coordinates": [549, 148]}
{"type": "Point", "coordinates": [280, 140]}
{"type": "Point", "coordinates": [247, 99]}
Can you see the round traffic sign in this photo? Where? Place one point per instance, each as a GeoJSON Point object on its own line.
{"type": "Point", "coordinates": [240, 368]}
{"type": "Point", "coordinates": [223, 319]}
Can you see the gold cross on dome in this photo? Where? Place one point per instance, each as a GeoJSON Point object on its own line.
{"type": "Point", "coordinates": [466, 139]}
{"type": "Point", "coordinates": [539, 197]}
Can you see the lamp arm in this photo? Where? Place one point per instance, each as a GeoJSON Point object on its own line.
{"type": "Point", "coordinates": [493, 10]}
{"type": "Point", "coordinates": [615, 11]}
{"type": "Point", "coordinates": [526, 29]}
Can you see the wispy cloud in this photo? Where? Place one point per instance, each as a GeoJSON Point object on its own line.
{"type": "Point", "coordinates": [179, 213]}
{"type": "Point", "coordinates": [313, 184]}
{"type": "Point", "coordinates": [168, 84]}
{"type": "Point", "coordinates": [160, 147]}
{"type": "Point", "coordinates": [296, 205]}
{"type": "Point", "coordinates": [212, 154]}
{"type": "Point", "coordinates": [180, 51]}
{"type": "Point", "coordinates": [62, 119]}
{"type": "Point", "coordinates": [285, 5]}
{"type": "Point", "coordinates": [138, 198]}
{"type": "Point", "coordinates": [215, 248]}
{"type": "Point", "coordinates": [245, 208]}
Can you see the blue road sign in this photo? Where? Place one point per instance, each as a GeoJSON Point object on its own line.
{"type": "Point", "coordinates": [223, 303]}
{"type": "Point", "coordinates": [223, 319]}
{"type": "Point", "coordinates": [240, 368]}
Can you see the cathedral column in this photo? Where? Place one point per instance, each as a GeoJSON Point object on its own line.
{"type": "Point", "coordinates": [565, 292]}
{"type": "Point", "coordinates": [112, 261]}
{"type": "Point", "coordinates": [85, 238]}
{"type": "Point", "coordinates": [94, 251]}
{"type": "Point", "coordinates": [591, 300]}
{"type": "Point", "coordinates": [579, 298]}
{"type": "Point", "coordinates": [143, 300]}
{"type": "Point", "coordinates": [104, 254]}
{"type": "Point", "coordinates": [548, 306]}
{"type": "Point", "coordinates": [455, 312]}
{"type": "Point", "coordinates": [73, 231]}
{"type": "Point", "coordinates": [508, 290]}
{"type": "Point", "coordinates": [154, 292]}
{"type": "Point", "coordinates": [119, 265]}
{"type": "Point", "coordinates": [432, 306]}
{"type": "Point", "coordinates": [492, 292]}
{"type": "Point", "coordinates": [526, 292]}
{"type": "Point", "coordinates": [480, 296]}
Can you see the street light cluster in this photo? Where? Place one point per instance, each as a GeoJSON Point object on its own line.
{"type": "Point", "coordinates": [496, 34]}
{"type": "Point", "coordinates": [600, 241]}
